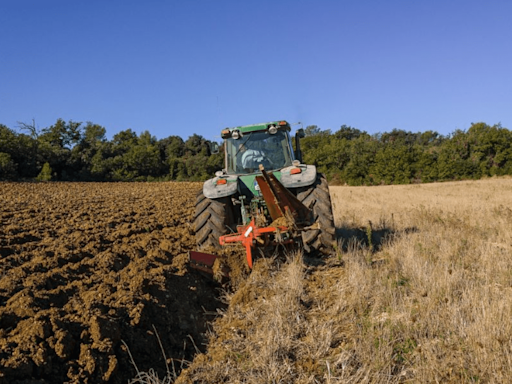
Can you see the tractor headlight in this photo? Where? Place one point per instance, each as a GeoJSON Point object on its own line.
{"type": "Point", "coordinates": [272, 130]}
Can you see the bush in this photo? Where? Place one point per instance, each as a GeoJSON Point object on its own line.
{"type": "Point", "coordinates": [46, 173]}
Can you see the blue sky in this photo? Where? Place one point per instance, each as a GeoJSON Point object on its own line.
{"type": "Point", "coordinates": [197, 66]}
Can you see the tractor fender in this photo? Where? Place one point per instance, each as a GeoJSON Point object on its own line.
{"type": "Point", "coordinates": [304, 178]}
{"type": "Point", "coordinates": [215, 188]}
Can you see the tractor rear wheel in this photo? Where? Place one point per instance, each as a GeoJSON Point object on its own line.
{"type": "Point", "coordinates": [316, 197]}
{"type": "Point", "coordinates": [212, 220]}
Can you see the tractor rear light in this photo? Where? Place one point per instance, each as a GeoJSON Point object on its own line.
{"type": "Point", "coordinates": [294, 171]}
{"type": "Point", "coordinates": [225, 133]}
{"type": "Point", "coordinates": [222, 181]}
{"type": "Point", "coordinates": [283, 122]}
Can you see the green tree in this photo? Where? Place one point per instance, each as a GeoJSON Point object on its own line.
{"type": "Point", "coordinates": [123, 141]}
{"type": "Point", "coordinates": [400, 136]}
{"type": "Point", "coordinates": [171, 147]}
{"type": "Point", "coordinates": [348, 133]}
{"type": "Point", "coordinates": [7, 167]}
{"type": "Point", "coordinates": [313, 145]}
{"type": "Point", "coordinates": [22, 150]}
{"type": "Point", "coordinates": [54, 147]}
{"type": "Point", "coordinates": [311, 130]}
{"type": "Point", "coordinates": [62, 134]}
{"type": "Point", "coordinates": [26, 156]}
{"type": "Point", "coordinates": [7, 139]}
{"type": "Point", "coordinates": [362, 153]}
{"type": "Point", "coordinates": [430, 138]}
{"type": "Point", "coordinates": [393, 165]}
{"type": "Point", "coordinates": [454, 160]}
{"type": "Point", "coordinates": [196, 144]}
{"type": "Point", "coordinates": [91, 141]}
{"type": "Point", "coordinates": [135, 158]}
{"type": "Point", "coordinates": [143, 159]}
{"type": "Point", "coordinates": [172, 150]}
{"type": "Point", "coordinates": [102, 163]}
{"type": "Point", "coordinates": [426, 167]}
{"type": "Point", "coordinates": [118, 164]}
{"type": "Point", "coordinates": [491, 148]}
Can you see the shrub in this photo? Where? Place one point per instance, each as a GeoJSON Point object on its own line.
{"type": "Point", "coordinates": [46, 173]}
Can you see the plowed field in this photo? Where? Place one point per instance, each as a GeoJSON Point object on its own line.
{"type": "Point", "coordinates": [90, 273]}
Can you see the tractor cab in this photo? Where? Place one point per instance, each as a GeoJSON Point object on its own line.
{"type": "Point", "coordinates": [247, 147]}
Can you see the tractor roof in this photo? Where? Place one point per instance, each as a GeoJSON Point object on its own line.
{"type": "Point", "coordinates": [262, 126]}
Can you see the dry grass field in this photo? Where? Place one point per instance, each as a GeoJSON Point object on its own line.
{"type": "Point", "coordinates": [427, 300]}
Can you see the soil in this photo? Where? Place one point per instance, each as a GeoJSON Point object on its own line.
{"type": "Point", "coordinates": [93, 277]}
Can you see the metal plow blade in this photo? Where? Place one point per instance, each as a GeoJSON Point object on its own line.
{"type": "Point", "coordinates": [205, 262]}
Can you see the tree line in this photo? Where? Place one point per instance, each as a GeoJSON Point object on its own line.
{"type": "Point", "coordinates": [353, 157]}
{"type": "Point", "coordinates": [73, 151]}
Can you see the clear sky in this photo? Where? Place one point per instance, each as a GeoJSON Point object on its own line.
{"type": "Point", "coordinates": [197, 66]}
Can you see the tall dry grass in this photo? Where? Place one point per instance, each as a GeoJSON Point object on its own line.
{"type": "Point", "coordinates": [435, 303]}
{"type": "Point", "coordinates": [420, 291]}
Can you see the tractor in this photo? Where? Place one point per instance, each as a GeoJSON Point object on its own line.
{"type": "Point", "coordinates": [263, 198]}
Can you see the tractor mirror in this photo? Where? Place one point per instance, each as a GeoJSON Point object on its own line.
{"type": "Point", "coordinates": [214, 147]}
{"type": "Point", "coordinates": [298, 135]}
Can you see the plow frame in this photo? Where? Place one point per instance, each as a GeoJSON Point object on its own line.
{"type": "Point", "coordinates": [252, 236]}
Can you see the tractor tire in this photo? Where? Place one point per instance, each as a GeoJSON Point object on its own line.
{"type": "Point", "coordinates": [212, 220]}
{"type": "Point", "coordinates": [318, 242]}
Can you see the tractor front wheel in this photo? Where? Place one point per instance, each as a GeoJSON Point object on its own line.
{"type": "Point", "coordinates": [212, 220]}
{"type": "Point", "coordinates": [320, 240]}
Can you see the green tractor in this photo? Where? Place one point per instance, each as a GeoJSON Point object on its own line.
{"type": "Point", "coordinates": [264, 196]}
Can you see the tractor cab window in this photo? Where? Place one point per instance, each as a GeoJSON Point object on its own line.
{"type": "Point", "coordinates": [244, 155]}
